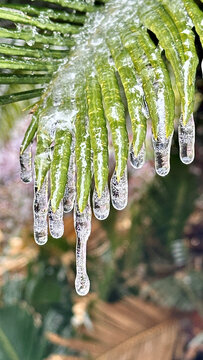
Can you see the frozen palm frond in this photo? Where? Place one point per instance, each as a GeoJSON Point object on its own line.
{"type": "Point", "coordinates": [114, 52]}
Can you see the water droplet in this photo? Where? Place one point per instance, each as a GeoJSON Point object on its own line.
{"type": "Point", "coordinates": [82, 223]}
{"type": "Point", "coordinates": [26, 165]}
{"type": "Point", "coordinates": [137, 161]}
{"type": "Point", "coordinates": [40, 209]}
{"type": "Point", "coordinates": [119, 191]}
{"type": "Point", "coordinates": [70, 190]}
{"type": "Point", "coordinates": [186, 136]}
{"type": "Point", "coordinates": [56, 225]}
{"type": "Point", "coordinates": [101, 206]}
{"type": "Point", "coordinates": [162, 149]}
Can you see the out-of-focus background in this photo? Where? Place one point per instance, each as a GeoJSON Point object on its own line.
{"type": "Point", "coordinates": [145, 265]}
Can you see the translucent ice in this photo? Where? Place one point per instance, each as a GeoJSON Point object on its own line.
{"type": "Point", "coordinates": [70, 190]}
{"type": "Point", "coordinates": [162, 149]}
{"type": "Point", "coordinates": [101, 206]}
{"type": "Point", "coordinates": [119, 191]}
{"type": "Point", "coordinates": [26, 165]}
{"type": "Point", "coordinates": [56, 225]}
{"type": "Point", "coordinates": [40, 209]}
{"type": "Point", "coordinates": [137, 161]}
{"type": "Point", "coordinates": [82, 223]}
{"type": "Point", "coordinates": [186, 136]}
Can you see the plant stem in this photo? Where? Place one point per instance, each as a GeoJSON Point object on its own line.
{"type": "Point", "coordinates": [29, 36]}
{"type": "Point", "coordinates": [25, 95]}
{"type": "Point", "coordinates": [50, 13]}
{"type": "Point", "coordinates": [8, 49]}
{"type": "Point", "coordinates": [24, 79]}
{"type": "Point", "coordinates": [20, 17]}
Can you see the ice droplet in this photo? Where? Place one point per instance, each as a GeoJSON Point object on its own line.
{"type": "Point", "coordinates": [40, 209]}
{"type": "Point", "coordinates": [162, 149]}
{"type": "Point", "coordinates": [137, 161]}
{"type": "Point", "coordinates": [119, 191]}
{"type": "Point", "coordinates": [26, 165]}
{"type": "Point", "coordinates": [70, 190]}
{"type": "Point", "coordinates": [82, 223]}
{"type": "Point", "coordinates": [101, 206]}
{"type": "Point", "coordinates": [186, 137]}
{"type": "Point", "coordinates": [56, 225]}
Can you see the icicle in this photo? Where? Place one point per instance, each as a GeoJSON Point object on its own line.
{"type": "Point", "coordinates": [56, 225]}
{"type": "Point", "coordinates": [137, 161]}
{"type": "Point", "coordinates": [70, 190]}
{"type": "Point", "coordinates": [162, 149]}
{"type": "Point", "coordinates": [186, 136]}
{"type": "Point", "coordinates": [119, 191]}
{"type": "Point", "coordinates": [26, 165]}
{"type": "Point", "coordinates": [40, 209]}
{"type": "Point", "coordinates": [101, 206]}
{"type": "Point", "coordinates": [82, 223]}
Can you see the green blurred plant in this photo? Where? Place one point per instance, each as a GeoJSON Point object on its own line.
{"type": "Point", "coordinates": [20, 337]}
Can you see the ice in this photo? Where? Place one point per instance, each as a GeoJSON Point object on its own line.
{"type": "Point", "coordinates": [137, 161]}
{"type": "Point", "coordinates": [26, 165]}
{"type": "Point", "coordinates": [56, 225]}
{"type": "Point", "coordinates": [82, 223]}
{"type": "Point", "coordinates": [162, 149]}
{"type": "Point", "coordinates": [101, 206]}
{"type": "Point", "coordinates": [119, 191]}
{"type": "Point", "coordinates": [40, 209]}
{"type": "Point", "coordinates": [70, 190]}
{"type": "Point", "coordinates": [186, 137]}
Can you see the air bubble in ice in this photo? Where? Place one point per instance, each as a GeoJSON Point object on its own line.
{"type": "Point", "coordinates": [70, 190]}
{"type": "Point", "coordinates": [119, 191]}
{"type": "Point", "coordinates": [56, 225]}
{"type": "Point", "coordinates": [137, 161]}
{"type": "Point", "coordinates": [40, 209]}
{"type": "Point", "coordinates": [82, 224]}
{"type": "Point", "coordinates": [186, 137]}
{"type": "Point", "coordinates": [101, 206]}
{"type": "Point", "coordinates": [26, 165]}
{"type": "Point", "coordinates": [162, 149]}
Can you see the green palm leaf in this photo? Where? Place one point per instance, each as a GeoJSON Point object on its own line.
{"type": "Point", "coordinates": [19, 337]}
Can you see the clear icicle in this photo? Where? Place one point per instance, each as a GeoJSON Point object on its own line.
{"type": "Point", "coordinates": [162, 149]}
{"type": "Point", "coordinates": [40, 210]}
{"type": "Point", "coordinates": [70, 190]}
{"type": "Point", "coordinates": [101, 206]}
{"type": "Point", "coordinates": [56, 225]}
{"type": "Point", "coordinates": [82, 223]}
{"type": "Point", "coordinates": [26, 165]}
{"type": "Point", "coordinates": [186, 136]}
{"type": "Point", "coordinates": [119, 191]}
{"type": "Point", "coordinates": [137, 161]}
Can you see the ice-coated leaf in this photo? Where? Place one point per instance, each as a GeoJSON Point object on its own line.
{"type": "Point", "coordinates": [59, 166]}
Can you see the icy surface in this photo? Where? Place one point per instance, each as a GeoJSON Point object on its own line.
{"type": "Point", "coordinates": [70, 190]}
{"type": "Point", "coordinates": [26, 165]}
{"type": "Point", "coordinates": [186, 137]}
{"type": "Point", "coordinates": [101, 206]}
{"type": "Point", "coordinates": [56, 225]}
{"type": "Point", "coordinates": [82, 223]}
{"type": "Point", "coordinates": [162, 151]}
{"type": "Point", "coordinates": [119, 191]}
{"type": "Point", "coordinates": [137, 161]}
{"type": "Point", "coordinates": [40, 209]}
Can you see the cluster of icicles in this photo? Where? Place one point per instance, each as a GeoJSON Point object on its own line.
{"type": "Point", "coordinates": [101, 206]}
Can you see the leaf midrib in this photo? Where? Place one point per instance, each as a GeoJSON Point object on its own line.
{"type": "Point", "coordinates": [7, 346]}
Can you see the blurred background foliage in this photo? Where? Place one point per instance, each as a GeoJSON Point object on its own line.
{"type": "Point", "coordinates": [150, 251]}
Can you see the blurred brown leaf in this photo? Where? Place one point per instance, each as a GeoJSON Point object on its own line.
{"type": "Point", "coordinates": [123, 329]}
